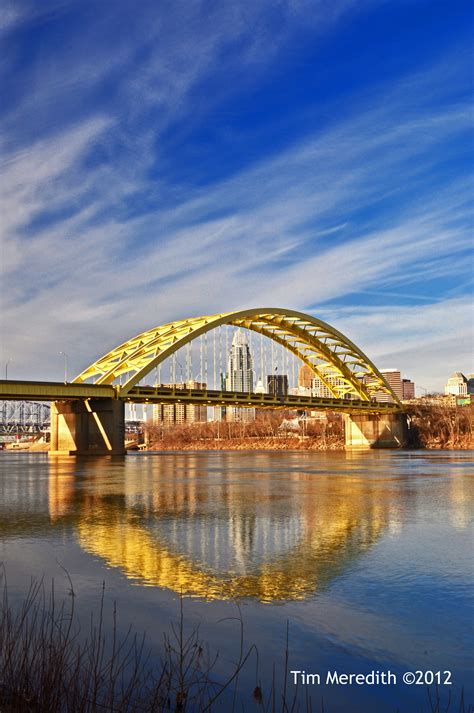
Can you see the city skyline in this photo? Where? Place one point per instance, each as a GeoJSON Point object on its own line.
{"type": "Point", "coordinates": [198, 159]}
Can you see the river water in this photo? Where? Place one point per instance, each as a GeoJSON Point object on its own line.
{"type": "Point", "coordinates": [367, 556]}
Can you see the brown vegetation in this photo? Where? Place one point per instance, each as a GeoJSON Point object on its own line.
{"type": "Point", "coordinates": [272, 430]}
{"type": "Point", "coordinates": [440, 426]}
{"type": "Point", "coordinates": [431, 426]}
{"type": "Point", "coordinates": [47, 664]}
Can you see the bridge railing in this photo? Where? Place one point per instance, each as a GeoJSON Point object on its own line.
{"type": "Point", "coordinates": [53, 391]}
{"type": "Point", "coordinates": [210, 397]}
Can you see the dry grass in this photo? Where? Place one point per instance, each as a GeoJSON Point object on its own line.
{"type": "Point", "coordinates": [440, 426]}
{"type": "Point", "coordinates": [267, 432]}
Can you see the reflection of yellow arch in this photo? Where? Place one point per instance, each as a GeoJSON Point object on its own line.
{"type": "Point", "coordinates": [296, 575]}
{"type": "Point", "coordinates": [325, 350]}
{"type": "Point", "coordinates": [319, 538]}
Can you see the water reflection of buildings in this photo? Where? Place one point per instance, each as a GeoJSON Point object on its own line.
{"type": "Point", "coordinates": [191, 524]}
{"type": "Point", "coordinates": [222, 537]}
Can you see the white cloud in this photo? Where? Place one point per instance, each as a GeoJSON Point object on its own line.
{"type": "Point", "coordinates": [82, 269]}
{"type": "Point", "coordinates": [427, 342]}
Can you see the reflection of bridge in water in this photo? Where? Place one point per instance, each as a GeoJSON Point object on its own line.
{"type": "Point", "coordinates": [88, 414]}
{"type": "Point", "coordinates": [209, 539]}
{"type": "Point", "coordinates": [218, 526]}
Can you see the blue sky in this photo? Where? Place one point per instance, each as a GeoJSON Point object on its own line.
{"type": "Point", "coordinates": [168, 159]}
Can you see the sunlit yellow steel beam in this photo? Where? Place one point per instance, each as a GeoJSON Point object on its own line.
{"type": "Point", "coordinates": [319, 342]}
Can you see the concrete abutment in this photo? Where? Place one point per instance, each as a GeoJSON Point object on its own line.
{"type": "Point", "coordinates": [92, 427]}
{"type": "Point", "coordinates": [376, 430]}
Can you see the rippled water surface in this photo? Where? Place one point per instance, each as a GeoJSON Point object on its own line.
{"type": "Point", "coordinates": [368, 556]}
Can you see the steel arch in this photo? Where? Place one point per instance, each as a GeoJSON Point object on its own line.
{"type": "Point", "coordinates": [323, 348]}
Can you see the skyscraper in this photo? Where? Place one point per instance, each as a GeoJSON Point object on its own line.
{"type": "Point", "coordinates": [456, 384]}
{"type": "Point", "coordinates": [277, 384]}
{"type": "Point", "coordinates": [177, 414]}
{"type": "Point", "coordinates": [320, 390]}
{"type": "Point", "coordinates": [394, 380]}
{"type": "Point", "coordinates": [220, 411]}
{"type": "Point", "coordinates": [470, 383]}
{"type": "Point", "coordinates": [240, 375]}
{"type": "Point", "coordinates": [305, 376]}
{"type": "Point", "coordinates": [408, 389]}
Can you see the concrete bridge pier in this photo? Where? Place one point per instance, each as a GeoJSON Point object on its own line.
{"type": "Point", "coordinates": [91, 427]}
{"type": "Point", "coordinates": [376, 430]}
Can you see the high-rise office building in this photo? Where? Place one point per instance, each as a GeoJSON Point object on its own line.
{"type": "Point", "coordinates": [408, 389]}
{"type": "Point", "coordinates": [470, 383]}
{"type": "Point", "coordinates": [394, 380]}
{"type": "Point", "coordinates": [220, 411]}
{"type": "Point", "coordinates": [305, 376]}
{"type": "Point", "coordinates": [240, 375]}
{"type": "Point", "coordinates": [178, 414]}
{"type": "Point", "coordinates": [321, 391]}
{"type": "Point", "coordinates": [277, 384]}
{"type": "Point", "coordinates": [457, 384]}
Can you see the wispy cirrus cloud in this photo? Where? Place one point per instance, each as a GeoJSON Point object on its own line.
{"type": "Point", "coordinates": [419, 340]}
{"type": "Point", "coordinates": [102, 239]}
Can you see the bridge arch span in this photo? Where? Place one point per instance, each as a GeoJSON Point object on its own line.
{"type": "Point", "coordinates": [323, 348]}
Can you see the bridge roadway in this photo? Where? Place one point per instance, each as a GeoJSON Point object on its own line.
{"type": "Point", "coordinates": [59, 391]}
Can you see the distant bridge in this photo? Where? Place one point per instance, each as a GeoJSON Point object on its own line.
{"type": "Point", "coordinates": [88, 413]}
{"type": "Point", "coordinates": [23, 417]}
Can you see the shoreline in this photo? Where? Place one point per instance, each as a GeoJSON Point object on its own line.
{"type": "Point", "coordinates": [430, 428]}
{"type": "Point", "coordinates": [260, 445]}
{"type": "Point", "coordinates": [238, 444]}
{"type": "Point", "coordinates": [267, 445]}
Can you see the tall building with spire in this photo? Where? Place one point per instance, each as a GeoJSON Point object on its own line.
{"type": "Point", "coordinates": [240, 375]}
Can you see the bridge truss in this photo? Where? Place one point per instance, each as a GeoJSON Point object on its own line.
{"type": "Point", "coordinates": [350, 381]}
{"type": "Point", "coordinates": [346, 372]}
{"type": "Point", "coordinates": [22, 417]}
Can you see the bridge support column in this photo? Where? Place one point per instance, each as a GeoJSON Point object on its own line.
{"type": "Point", "coordinates": [376, 430]}
{"type": "Point", "coordinates": [92, 427]}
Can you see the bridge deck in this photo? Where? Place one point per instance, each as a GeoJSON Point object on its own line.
{"type": "Point", "coordinates": [58, 391]}
{"type": "Point", "coordinates": [54, 390]}
{"type": "Point", "coordinates": [210, 397]}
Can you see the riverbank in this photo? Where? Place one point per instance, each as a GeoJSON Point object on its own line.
{"type": "Point", "coordinates": [248, 444]}
{"type": "Point", "coordinates": [430, 427]}
{"type": "Point", "coordinates": [268, 444]}
{"type": "Point", "coordinates": [441, 427]}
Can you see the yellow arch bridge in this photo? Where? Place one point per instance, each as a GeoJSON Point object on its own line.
{"type": "Point", "coordinates": [88, 413]}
